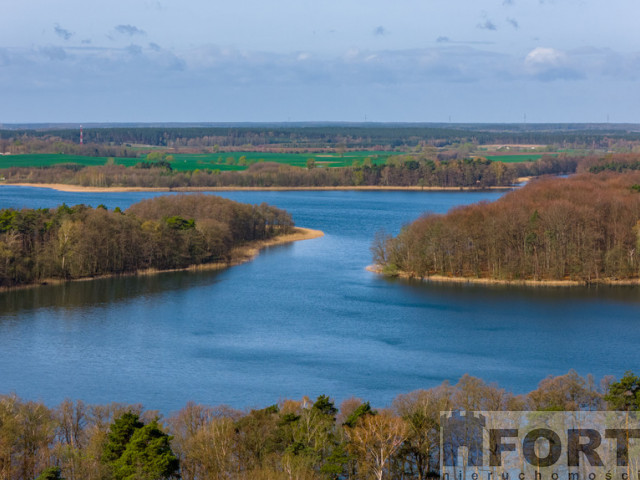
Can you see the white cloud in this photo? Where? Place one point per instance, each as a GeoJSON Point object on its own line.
{"type": "Point", "coordinates": [71, 72]}
{"type": "Point", "coordinates": [542, 56]}
{"type": "Point", "coordinates": [549, 64]}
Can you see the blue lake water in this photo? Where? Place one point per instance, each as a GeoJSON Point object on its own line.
{"type": "Point", "coordinates": [301, 319]}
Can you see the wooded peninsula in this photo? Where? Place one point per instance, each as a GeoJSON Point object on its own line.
{"type": "Point", "coordinates": [163, 233]}
{"type": "Point", "coordinates": [585, 228]}
{"type": "Point", "coordinates": [302, 439]}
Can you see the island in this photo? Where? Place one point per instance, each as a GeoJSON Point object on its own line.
{"type": "Point", "coordinates": [170, 232]}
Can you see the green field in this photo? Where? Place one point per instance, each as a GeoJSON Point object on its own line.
{"type": "Point", "coordinates": [517, 158]}
{"type": "Point", "coordinates": [49, 159]}
{"type": "Point", "coordinates": [193, 161]}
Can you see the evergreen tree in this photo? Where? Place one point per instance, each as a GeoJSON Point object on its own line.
{"type": "Point", "coordinates": [148, 456]}
{"type": "Point", "coordinates": [119, 435]}
{"type": "Point", "coordinates": [625, 394]}
{"type": "Point", "coordinates": [51, 473]}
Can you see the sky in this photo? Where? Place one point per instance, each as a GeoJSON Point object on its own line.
{"type": "Point", "coordinates": [322, 60]}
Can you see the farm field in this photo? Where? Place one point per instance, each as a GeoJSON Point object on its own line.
{"type": "Point", "coordinates": [517, 158]}
{"type": "Point", "coordinates": [193, 161]}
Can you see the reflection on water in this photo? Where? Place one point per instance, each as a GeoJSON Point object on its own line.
{"type": "Point", "coordinates": [493, 293]}
{"type": "Point", "coordinates": [301, 319]}
{"type": "Point", "coordinates": [100, 291]}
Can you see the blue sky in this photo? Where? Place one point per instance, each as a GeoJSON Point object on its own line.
{"type": "Point", "coordinates": [334, 60]}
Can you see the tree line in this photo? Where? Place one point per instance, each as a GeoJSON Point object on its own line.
{"type": "Point", "coordinates": [585, 227]}
{"type": "Point", "coordinates": [426, 168]}
{"type": "Point", "coordinates": [322, 136]}
{"type": "Point", "coordinates": [165, 232]}
{"type": "Point", "coordinates": [611, 163]}
{"type": "Point", "coordinates": [50, 144]}
{"type": "Point", "coordinates": [303, 439]}
{"type": "Point", "coordinates": [402, 171]}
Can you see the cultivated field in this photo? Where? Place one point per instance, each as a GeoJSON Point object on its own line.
{"type": "Point", "coordinates": [211, 161]}
{"type": "Point", "coordinates": [516, 158]}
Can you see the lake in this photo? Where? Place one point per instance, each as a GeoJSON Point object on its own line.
{"type": "Point", "coordinates": [301, 319]}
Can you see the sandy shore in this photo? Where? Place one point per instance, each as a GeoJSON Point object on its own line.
{"type": "Point", "coordinates": [240, 255]}
{"type": "Point", "coordinates": [248, 252]}
{"type": "Point", "coordinates": [494, 281]}
{"type": "Point", "coordinates": [63, 187]}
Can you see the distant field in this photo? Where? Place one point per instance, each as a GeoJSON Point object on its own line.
{"type": "Point", "coordinates": [516, 158]}
{"type": "Point", "coordinates": [49, 159]}
{"type": "Point", "coordinates": [193, 161]}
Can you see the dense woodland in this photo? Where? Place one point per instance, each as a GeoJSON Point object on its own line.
{"type": "Point", "coordinates": [362, 136]}
{"type": "Point", "coordinates": [417, 170]}
{"type": "Point", "coordinates": [611, 163]}
{"type": "Point", "coordinates": [585, 228]}
{"type": "Point", "coordinates": [305, 439]}
{"type": "Point", "coordinates": [161, 233]}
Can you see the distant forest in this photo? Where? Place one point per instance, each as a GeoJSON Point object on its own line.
{"type": "Point", "coordinates": [165, 232]}
{"type": "Point", "coordinates": [585, 227]}
{"type": "Point", "coordinates": [294, 439]}
{"type": "Point", "coordinates": [116, 141]}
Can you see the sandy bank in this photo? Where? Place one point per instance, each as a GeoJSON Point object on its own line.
{"type": "Point", "coordinates": [63, 187]}
{"type": "Point", "coordinates": [239, 254]}
{"type": "Point", "coordinates": [247, 252]}
{"type": "Point", "coordinates": [525, 283]}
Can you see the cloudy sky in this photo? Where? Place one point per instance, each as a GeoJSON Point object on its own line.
{"type": "Point", "coordinates": [304, 60]}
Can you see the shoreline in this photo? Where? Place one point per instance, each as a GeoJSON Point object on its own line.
{"type": "Point", "coordinates": [241, 254]}
{"type": "Point", "coordinates": [377, 269]}
{"type": "Point", "coordinates": [63, 187]}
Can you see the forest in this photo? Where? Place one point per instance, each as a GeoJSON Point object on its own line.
{"type": "Point", "coordinates": [585, 228]}
{"type": "Point", "coordinates": [294, 439]}
{"type": "Point", "coordinates": [167, 232]}
{"type": "Point", "coordinates": [415, 170]}
{"type": "Point", "coordinates": [310, 136]}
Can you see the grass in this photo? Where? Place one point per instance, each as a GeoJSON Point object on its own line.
{"type": "Point", "coordinates": [516, 158]}
{"type": "Point", "coordinates": [193, 161]}
{"type": "Point", "coordinates": [216, 160]}
{"type": "Point", "coordinates": [49, 159]}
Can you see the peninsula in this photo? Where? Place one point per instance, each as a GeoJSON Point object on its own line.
{"type": "Point", "coordinates": [555, 231]}
{"type": "Point", "coordinates": [164, 233]}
